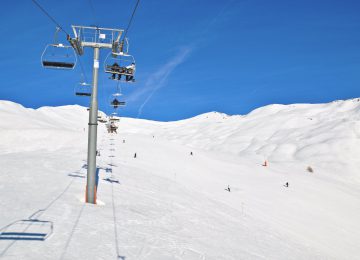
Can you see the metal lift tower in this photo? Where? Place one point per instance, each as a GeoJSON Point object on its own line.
{"type": "Point", "coordinates": [96, 38]}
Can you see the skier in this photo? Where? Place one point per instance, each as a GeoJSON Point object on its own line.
{"type": "Point", "coordinates": [135, 155]}
{"type": "Point", "coordinates": [287, 184]}
{"type": "Point", "coordinates": [228, 188]}
{"type": "Point", "coordinates": [191, 153]}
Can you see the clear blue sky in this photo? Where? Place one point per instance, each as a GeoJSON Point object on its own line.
{"type": "Point", "coordinates": [192, 57]}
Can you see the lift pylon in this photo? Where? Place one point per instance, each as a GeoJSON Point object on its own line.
{"type": "Point", "coordinates": [96, 38]}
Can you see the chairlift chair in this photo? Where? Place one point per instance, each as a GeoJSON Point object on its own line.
{"type": "Point", "coordinates": [112, 127]}
{"type": "Point", "coordinates": [115, 103]}
{"type": "Point", "coordinates": [83, 89]}
{"type": "Point", "coordinates": [113, 119]}
{"type": "Point", "coordinates": [120, 64]}
{"type": "Point", "coordinates": [58, 56]}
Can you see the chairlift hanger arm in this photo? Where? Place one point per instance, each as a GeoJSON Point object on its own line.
{"type": "Point", "coordinates": [91, 35]}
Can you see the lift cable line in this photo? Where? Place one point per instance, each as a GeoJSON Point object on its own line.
{"type": "Point", "coordinates": [48, 15]}
{"type": "Point", "coordinates": [129, 24]}
{"type": "Point", "coordinates": [82, 69]}
{"type": "Point", "coordinates": [131, 18]}
{"type": "Point", "coordinates": [93, 12]}
{"type": "Point", "coordinates": [118, 87]}
{"type": "Point", "coordinates": [60, 27]}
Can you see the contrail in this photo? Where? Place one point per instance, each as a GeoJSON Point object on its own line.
{"type": "Point", "coordinates": [158, 80]}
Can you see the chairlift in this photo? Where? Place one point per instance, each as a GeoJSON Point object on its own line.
{"type": "Point", "coordinates": [112, 127]}
{"type": "Point", "coordinates": [114, 119]}
{"type": "Point", "coordinates": [58, 55]}
{"type": "Point", "coordinates": [120, 64]}
{"type": "Point", "coordinates": [83, 89]}
{"type": "Point", "coordinates": [115, 103]}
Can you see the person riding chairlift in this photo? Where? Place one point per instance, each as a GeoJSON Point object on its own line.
{"type": "Point", "coordinates": [115, 103]}
{"type": "Point", "coordinates": [130, 70]}
{"type": "Point", "coordinates": [113, 128]}
{"type": "Point", "coordinates": [115, 68]}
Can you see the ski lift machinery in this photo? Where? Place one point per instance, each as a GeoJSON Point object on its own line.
{"type": "Point", "coordinates": [58, 56]}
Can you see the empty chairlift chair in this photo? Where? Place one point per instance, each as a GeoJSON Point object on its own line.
{"type": "Point", "coordinates": [58, 55]}
{"type": "Point", "coordinates": [83, 89]}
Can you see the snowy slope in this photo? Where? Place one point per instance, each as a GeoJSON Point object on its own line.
{"type": "Point", "coordinates": [168, 204]}
{"type": "Point", "coordinates": [325, 135]}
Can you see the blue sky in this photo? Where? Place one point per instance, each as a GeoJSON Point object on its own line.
{"type": "Point", "coordinates": [192, 57]}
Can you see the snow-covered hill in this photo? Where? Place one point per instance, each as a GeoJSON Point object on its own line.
{"type": "Point", "coordinates": [168, 204]}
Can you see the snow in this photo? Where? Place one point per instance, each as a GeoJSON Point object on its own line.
{"type": "Point", "coordinates": [168, 204]}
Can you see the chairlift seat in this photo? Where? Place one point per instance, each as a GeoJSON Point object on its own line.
{"type": "Point", "coordinates": [83, 94]}
{"type": "Point", "coordinates": [116, 103]}
{"type": "Point", "coordinates": [58, 65]}
{"type": "Point", "coordinates": [58, 56]}
{"type": "Point", "coordinates": [123, 62]}
{"type": "Point", "coordinates": [83, 89]}
{"type": "Point", "coordinates": [119, 70]}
